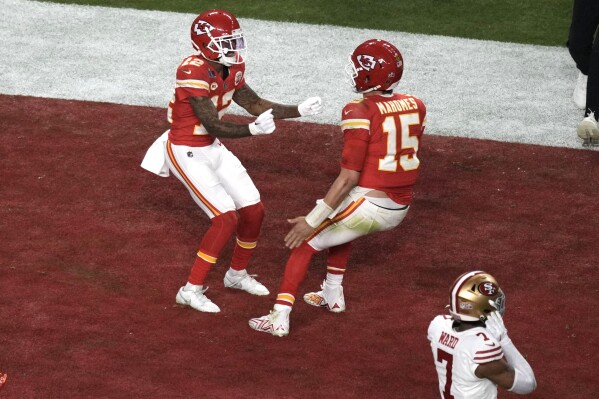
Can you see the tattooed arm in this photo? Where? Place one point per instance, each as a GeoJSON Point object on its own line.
{"type": "Point", "coordinates": [204, 109]}
{"type": "Point", "coordinates": [246, 98]}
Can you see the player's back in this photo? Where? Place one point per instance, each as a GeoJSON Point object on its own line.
{"type": "Point", "coordinates": [457, 355]}
{"type": "Point", "coordinates": [395, 123]}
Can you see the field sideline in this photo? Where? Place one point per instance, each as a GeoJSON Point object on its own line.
{"type": "Point", "coordinates": [478, 89]}
{"type": "Point", "coordinates": [95, 248]}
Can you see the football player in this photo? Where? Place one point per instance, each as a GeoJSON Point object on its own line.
{"type": "Point", "coordinates": [207, 82]}
{"type": "Point", "coordinates": [472, 351]}
{"type": "Point", "coordinates": [583, 44]}
{"type": "Point", "coordinates": [379, 167]}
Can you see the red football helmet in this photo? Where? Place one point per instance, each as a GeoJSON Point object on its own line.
{"type": "Point", "coordinates": [374, 65]}
{"type": "Point", "coordinates": [217, 36]}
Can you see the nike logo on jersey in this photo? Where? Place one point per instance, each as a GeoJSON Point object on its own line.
{"type": "Point", "coordinates": [347, 112]}
{"type": "Point", "coordinates": [187, 72]}
{"type": "Point", "coordinates": [490, 345]}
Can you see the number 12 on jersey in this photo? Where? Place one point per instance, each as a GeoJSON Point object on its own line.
{"type": "Point", "coordinates": [407, 161]}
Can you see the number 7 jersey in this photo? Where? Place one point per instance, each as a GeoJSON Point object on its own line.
{"type": "Point", "coordinates": [392, 125]}
{"type": "Point", "coordinates": [457, 355]}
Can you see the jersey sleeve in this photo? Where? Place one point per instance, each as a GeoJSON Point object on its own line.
{"type": "Point", "coordinates": [422, 112]}
{"type": "Point", "coordinates": [355, 124]}
{"type": "Point", "coordinates": [192, 79]}
{"type": "Point", "coordinates": [434, 327]}
{"type": "Point", "coordinates": [485, 349]}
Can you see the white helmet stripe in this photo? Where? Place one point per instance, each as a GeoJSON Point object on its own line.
{"type": "Point", "coordinates": [456, 288]}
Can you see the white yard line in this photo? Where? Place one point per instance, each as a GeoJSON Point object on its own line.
{"type": "Point", "coordinates": [473, 88]}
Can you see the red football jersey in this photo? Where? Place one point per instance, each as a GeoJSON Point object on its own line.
{"type": "Point", "coordinates": [196, 78]}
{"type": "Point", "coordinates": [381, 140]}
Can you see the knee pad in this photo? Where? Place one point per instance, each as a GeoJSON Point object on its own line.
{"type": "Point", "coordinates": [250, 222]}
{"type": "Point", "coordinates": [225, 222]}
{"type": "Point", "coordinates": [252, 214]}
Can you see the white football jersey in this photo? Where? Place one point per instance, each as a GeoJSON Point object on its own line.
{"type": "Point", "coordinates": [457, 355]}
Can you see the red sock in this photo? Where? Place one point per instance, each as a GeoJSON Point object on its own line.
{"type": "Point", "coordinates": [248, 230]}
{"type": "Point", "coordinates": [214, 240]}
{"type": "Point", "coordinates": [295, 272]}
{"type": "Point", "coordinates": [338, 258]}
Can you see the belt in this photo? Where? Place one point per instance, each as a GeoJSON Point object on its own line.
{"type": "Point", "coordinates": [391, 209]}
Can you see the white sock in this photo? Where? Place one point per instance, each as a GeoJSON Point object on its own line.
{"type": "Point", "coordinates": [192, 287]}
{"type": "Point", "coordinates": [334, 280]}
{"type": "Point", "coordinates": [279, 307]}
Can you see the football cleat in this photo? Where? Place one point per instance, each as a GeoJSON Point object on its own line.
{"type": "Point", "coordinates": [588, 131]}
{"type": "Point", "coordinates": [245, 282]}
{"type": "Point", "coordinates": [329, 297]}
{"type": "Point", "coordinates": [275, 323]}
{"type": "Point", "coordinates": [196, 299]}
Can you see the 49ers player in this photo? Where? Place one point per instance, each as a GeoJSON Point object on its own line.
{"type": "Point", "coordinates": [207, 82]}
{"type": "Point", "coordinates": [379, 167]}
{"type": "Point", "coordinates": [472, 351]}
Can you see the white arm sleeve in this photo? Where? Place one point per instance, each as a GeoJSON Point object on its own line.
{"type": "Point", "coordinates": [524, 379]}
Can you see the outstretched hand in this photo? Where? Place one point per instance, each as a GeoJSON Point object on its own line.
{"type": "Point", "coordinates": [298, 233]}
{"type": "Point", "coordinates": [311, 106]}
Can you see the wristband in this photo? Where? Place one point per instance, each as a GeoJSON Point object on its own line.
{"type": "Point", "coordinates": [318, 215]}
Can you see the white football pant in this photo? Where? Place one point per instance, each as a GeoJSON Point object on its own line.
{"type": "Point", "coordinates": [215, 178]}
{"type": "Point", "coordinates": [356, 217]}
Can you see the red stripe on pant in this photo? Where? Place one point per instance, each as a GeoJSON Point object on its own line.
{"type": "Point", "coordinates": [190, 185]}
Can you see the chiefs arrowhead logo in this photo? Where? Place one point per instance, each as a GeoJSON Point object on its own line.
{"type": "Point", "coordinates": [202, 27]}
{"type": "Point", "coordinates": [367, 62]}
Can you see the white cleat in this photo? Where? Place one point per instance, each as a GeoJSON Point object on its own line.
{"type": "Point", "coordinates": [588, 131]}
{"type": "Point", "coordinates": [329, 297]}
{"type": "Point", "coordinates": [275, 323]}
{"type": "Point", "coordinates": [579, 96]}
{"type": "Point", "coordinates": [245, 282]}
{"type": "Point", "coordinates": [196, 299]}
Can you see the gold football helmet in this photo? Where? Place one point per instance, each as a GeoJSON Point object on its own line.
{"type": "Point", "coordinates": [472, 294]}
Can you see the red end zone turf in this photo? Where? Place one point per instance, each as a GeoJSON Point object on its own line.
{"type": "Point", "coordinates": [94, 249]}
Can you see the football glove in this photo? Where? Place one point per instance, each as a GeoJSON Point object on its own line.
{"type": "Point", "coordinates": [495, 326]}
{"type": "Point", "coordinates": [264, 123]}
{"type": "Point", "coordinates": [311, 106]}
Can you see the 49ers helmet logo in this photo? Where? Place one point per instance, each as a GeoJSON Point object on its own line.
{"type": "Point", "coordinates": [201, 27]}
{"type": "Point", "coordinates": [366, 61]}
{"type": "Point", "coordinates": [488, 288]}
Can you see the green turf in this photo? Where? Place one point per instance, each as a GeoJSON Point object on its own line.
{"type": "Point", "coordinates": [521, 21]}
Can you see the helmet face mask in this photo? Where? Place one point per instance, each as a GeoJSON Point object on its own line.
{"type": "Point", "coordinates": [217, 36]}
{"type": "Point", "coordinates": [351, 72]}
{"type": "Point", "coordinates": [474, 295]}
{"type": "Point", "coordinates": [374, 65]}
{"type": "Point", "coordinates": [231, 48]}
